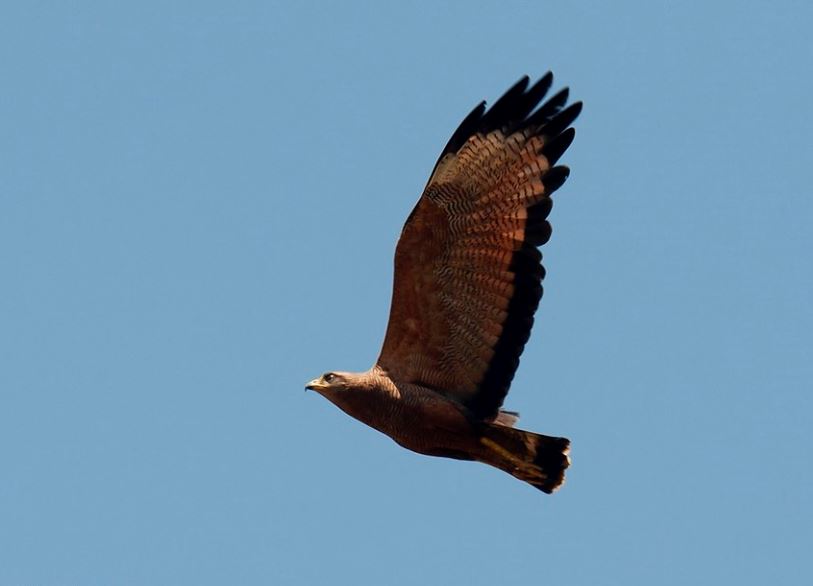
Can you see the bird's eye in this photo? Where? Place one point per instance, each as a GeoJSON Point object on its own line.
{"type": "Point", "coordinates": [328, 377]}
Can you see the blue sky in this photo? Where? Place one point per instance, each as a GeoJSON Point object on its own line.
{"type": "Point", "coordinates": [199, 204]}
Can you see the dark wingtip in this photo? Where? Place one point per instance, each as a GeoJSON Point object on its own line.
{"type": "Point", "coordinates": [463, 131]}
{"type": "Point", "coordinates": [555, 178]}
{"type": "Point", "coordinates": [561, 120]}
{"type": "Point", "coordinates": [557, 147]}
{"type": "Point", "coordinates": [538, 233]}
{"type": "Point", "coordinates": [538, 90]}
{"type": "Point", "coordinates": [546, 80]}
{"type": "Point", "coordinates": [550, 108]}
{"type": "Point", "coordinates": [507, 108]}
{"type": "Point", "coordinates": [514, 110]}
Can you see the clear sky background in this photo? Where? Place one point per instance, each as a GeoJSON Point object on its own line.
{"type": "Point", "coordinates": [199, 203]}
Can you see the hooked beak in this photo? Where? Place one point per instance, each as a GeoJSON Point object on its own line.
{"type": "Point", "coordinates": [315, 385]}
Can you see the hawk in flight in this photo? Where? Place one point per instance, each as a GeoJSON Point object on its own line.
{"type": "Point", "coordinates": [468, 279]}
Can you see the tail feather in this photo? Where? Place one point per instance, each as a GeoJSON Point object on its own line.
{"type": "Point", "coordinates": [539, 460]}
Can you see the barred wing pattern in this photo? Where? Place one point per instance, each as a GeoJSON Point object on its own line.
{"type": "Point", "coordinates": [468, 274]}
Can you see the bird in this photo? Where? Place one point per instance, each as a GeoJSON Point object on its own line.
{"type": "Point", "coordinates": [467, 283]}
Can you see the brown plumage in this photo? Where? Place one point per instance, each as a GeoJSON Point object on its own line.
{"type": "Point", "coordinates": [468, 280]}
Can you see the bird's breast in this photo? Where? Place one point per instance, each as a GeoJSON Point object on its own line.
{"type": "Point", "coordinates": [415, 417]}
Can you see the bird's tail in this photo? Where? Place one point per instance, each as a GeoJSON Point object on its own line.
{"type": "Point", "coordinates": [539, 460]}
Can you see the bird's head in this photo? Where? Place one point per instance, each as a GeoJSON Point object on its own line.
{"type": "Point", "coordinates": [329, 383]}
{"type": "Point", "coordinates": [350, 392]}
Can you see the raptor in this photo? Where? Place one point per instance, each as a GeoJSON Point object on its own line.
{"type": "Point", "coordinates": [468, 280]}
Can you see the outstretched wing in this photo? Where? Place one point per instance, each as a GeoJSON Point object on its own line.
{"type": "Point", "coordinates": [468, 272]}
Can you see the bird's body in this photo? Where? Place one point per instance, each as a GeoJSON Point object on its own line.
{"type": "Point", "coordinates": [467, 284]}
{"type": "Point", "coordinates": [416, 417]}
{"type": "Point", "coordinates": [428, 422]}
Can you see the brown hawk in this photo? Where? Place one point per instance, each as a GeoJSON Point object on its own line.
{"type": "Point", "coordinates": [468, 280]}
